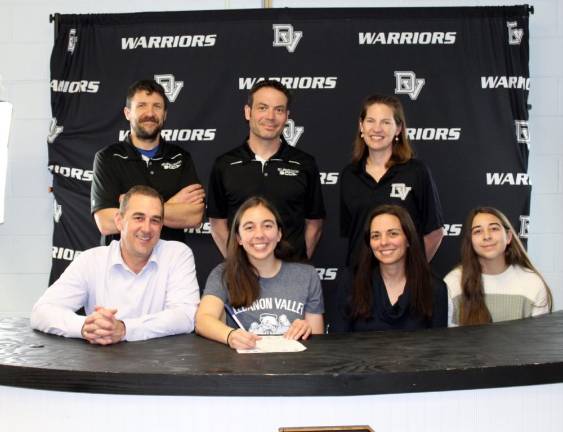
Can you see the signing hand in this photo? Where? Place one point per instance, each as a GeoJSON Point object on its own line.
{"type": "Point", "coordinates": [240, 339]}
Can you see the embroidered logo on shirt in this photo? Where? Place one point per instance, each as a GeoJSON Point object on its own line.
{"type": "Point", "coordinates": [399, 190]}
{"type": "Point", "coordinates": [171, 166]}
{"type": "Point", "coordinates": [288, 172]}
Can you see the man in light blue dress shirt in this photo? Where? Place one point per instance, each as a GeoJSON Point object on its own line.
{"type": "Point", "coordinates": [137, 288]}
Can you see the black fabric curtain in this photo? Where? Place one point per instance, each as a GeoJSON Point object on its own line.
{"type": "Point", "coordinates": [461, 73]}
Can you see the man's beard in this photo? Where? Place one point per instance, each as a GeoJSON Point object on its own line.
{"type": "Point", "coordinates": [143, 134]}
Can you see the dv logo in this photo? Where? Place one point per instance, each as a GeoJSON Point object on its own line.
{"type": "Point", "coordinates": [515, 34]}
{"type": "Point", "coordinates": [292, 133]}
{"type": "Point", "coordinates": [285, 36]}
{"type": "Point", "coordinates": [406, 82]}
{"type": "Point", "coordinates": [522, 132]}
{"type": "Point", "coordinates": [524, 226]}
{"type": "Point", "coordinates": [72, 40]}
{"type": "Point", "coordinates": [57, 211]}
{"type": "Point", "coordinates": [54, 131]}
{"type": "Point", "coordinates": [171, 86]}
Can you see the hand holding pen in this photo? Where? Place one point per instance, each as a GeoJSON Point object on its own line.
{"type": "Point", "coordinates": [239, 338]}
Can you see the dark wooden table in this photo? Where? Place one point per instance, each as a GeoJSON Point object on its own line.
{"type": "Point", "coordinates": [515, 353]}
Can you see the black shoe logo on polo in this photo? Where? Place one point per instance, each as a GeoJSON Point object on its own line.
{"type": "Point", "coordinates": [288, 172]}
{"type": "Point", "coordinates": [171, 166]}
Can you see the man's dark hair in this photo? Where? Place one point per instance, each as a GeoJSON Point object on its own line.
{"type": "Point", "coordinates": [149, 86]}
{"type": "Point", "coordinates": [271, 84]}
{"type": "Point", "coordinates": [139, 190]}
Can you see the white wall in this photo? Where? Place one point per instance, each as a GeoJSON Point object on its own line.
{"type": "Point", "coordinates": [483, 410]}
{"type": "Point", "coordinates": [26, 37]}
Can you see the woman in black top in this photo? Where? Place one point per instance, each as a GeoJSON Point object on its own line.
{"type": "Point", "coordinates": [392, 286]}
{"type": "Point", "coordinates": [385, 171]}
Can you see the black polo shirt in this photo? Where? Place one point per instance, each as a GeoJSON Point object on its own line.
{"type": "Point", "coordinates": [409, 185]}
{"type": "Point", "coordinates": [289, 180]}
{"type": "Point", "coordinates": [119, 167]}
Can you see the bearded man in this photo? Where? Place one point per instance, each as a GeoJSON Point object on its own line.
{"type": "Point", "coordinates": [145, 158]}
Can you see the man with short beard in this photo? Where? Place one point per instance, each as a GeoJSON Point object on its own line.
{"type": "Point", "coordinates": [145, 158]}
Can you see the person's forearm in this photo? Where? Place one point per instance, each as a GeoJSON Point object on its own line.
{"type": "Point", "coordinates": [54, 312]}
{"type": "Point", "coordinates": [313, 230]}
{"type": "Point", "coordinates": [212, 328]}
{"type": "Point", "coordinates": [164, 323]}
{"type": "Point", "coordinates": [183, 215]}
{"type": "Point", "coordinates": [220, 234]}
{"type": "Point", "coordinates": [56, 320]}
{"type": "Point", "coordinates": [105, 221]}
{"type": "Point", "coordinates": [316, 321]}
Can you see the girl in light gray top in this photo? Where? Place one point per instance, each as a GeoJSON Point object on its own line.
{"type": "Point", "coordinates": [263, 293]}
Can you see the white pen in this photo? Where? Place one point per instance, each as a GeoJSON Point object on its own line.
{"type": "Point", "coordinates": [232, 314]}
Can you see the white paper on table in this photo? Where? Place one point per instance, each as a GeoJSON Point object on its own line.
{"type": "Point", "coordinates": [272, 344]}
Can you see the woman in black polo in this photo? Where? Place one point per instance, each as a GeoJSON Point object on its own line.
{"type": "Point", "coordinates": [392, 286]}
{"type": "Point", "coordinates": [384, 171]}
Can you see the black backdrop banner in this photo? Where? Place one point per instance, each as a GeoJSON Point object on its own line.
{"type": "Point", "coordinates": [461, 73]}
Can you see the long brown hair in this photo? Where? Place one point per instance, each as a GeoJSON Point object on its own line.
{"type": "Point", "coordinates": [473, 309]}
{"type": "Point", "coordinates": [239, 275]}
{"type": "Point", "coordinates": [417, 271]}
{"type": "Point", "coordinates": [402, 150]}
